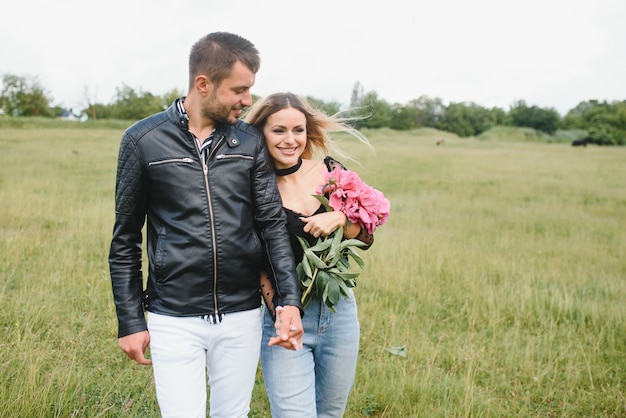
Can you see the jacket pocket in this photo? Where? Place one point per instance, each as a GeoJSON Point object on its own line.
{"type": "Point", "coordinates": [233, 156]}
{"type": "Point", "coordinates": [186, 160]}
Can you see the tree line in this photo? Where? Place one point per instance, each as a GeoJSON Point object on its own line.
{"type": "Point", "coordinates": [603, 122]}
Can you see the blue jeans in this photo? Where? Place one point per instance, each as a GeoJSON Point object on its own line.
{"type": "Point", "coordinates": [316, 380]}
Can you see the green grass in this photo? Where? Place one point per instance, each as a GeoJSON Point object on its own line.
{"type": "Point", "coordinates": [499, 276]}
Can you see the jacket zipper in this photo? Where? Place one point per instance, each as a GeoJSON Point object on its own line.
{"type": "Point", "coordinates": [225, 156]}
{"type": "Point", "coordinates": [172, 160]}
{"type": "Point", "coordinates": [205, 170]}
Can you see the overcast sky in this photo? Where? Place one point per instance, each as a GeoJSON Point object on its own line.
{"type": "Point", "coordinates": [550, 53]}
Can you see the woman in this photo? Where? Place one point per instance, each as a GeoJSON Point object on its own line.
{"type": "Point", "coordinates": [314, 381]}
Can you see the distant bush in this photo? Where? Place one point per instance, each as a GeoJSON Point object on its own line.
{"type": "Point", "coordinates": [510, 133]}
{"type": "Point", "coordinates": [49, 123]}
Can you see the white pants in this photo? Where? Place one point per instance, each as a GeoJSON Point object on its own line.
{"type": "Point", "coordinates": [184, 349]}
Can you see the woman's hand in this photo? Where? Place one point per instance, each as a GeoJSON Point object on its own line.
{"type": "Point", "coordinates": [323, 224]}
{"type": "Point", "coordinates": [289, 329]}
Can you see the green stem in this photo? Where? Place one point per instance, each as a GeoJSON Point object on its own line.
{"type": "Point", "coordinates": [308, 289]}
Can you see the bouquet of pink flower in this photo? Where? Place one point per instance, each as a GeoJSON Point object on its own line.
{"type": "Point", "coordinates": [325, 267]}
{"type": "Point", "coordinates": [361, 203]}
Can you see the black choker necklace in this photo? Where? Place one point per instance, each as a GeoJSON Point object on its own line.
{"type": "Point", "coordinates": [289, 170]}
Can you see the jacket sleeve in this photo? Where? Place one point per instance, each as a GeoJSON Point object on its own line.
{"type": "Point", "coordinates": [271, 220]}
{"type": "Point", "coordinates": [125, 253]}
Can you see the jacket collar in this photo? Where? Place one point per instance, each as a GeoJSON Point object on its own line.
{"type": "Point", "coordinates": [178, 115]}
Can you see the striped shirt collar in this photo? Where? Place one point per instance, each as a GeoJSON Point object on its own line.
{"type": "Point", "coordinates": [204, 146]}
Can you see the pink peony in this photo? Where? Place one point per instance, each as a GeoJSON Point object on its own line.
{"type": "Point", "coordinates": [361, 203]}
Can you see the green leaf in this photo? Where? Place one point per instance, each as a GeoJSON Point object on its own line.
{"type": "Point", "coordinates": [344, 263]}
{"type": "Point", "coordinates": [349, 244]}
{"type": "Point", "coordinates": [344, 287]}
{"type": "Point", "coordinates": [347, 275]}
{"type": "Point", "coordinates": [303, 243]}
{"type": "Point", "coordinates": [300, 272]}
{"type": "Point", "coordinates": [306, 282]}
{"type": "Point", "coordinates": [306, 267]}
{"type": "Point", "coordinates": [332, 293]}
{"type": "Point", "coordinates": [324, 201]}
{"type": "Point", "coordinates": [357, 258]}
{"type": "Point", "coordinates": [322, 278]}
{"type": "Point", "coordinates": [336, 242]}
{"type": "Point", "coordinates": [352, 243]}
{"type": "Point", "coordinates": [314, 259]}
{"type": "Point", "coordinates": [335, 272]}
{"type": "Point", "coordinates": [322, 244]}
{"type": "Point", "coordinates": [334, 252]}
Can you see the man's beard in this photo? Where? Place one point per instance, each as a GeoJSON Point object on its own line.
{"type": "Point", "coordinates": [217, 111]}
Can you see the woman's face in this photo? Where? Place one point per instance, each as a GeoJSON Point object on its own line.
{"type": "Point", "coordinates": [285, 136]}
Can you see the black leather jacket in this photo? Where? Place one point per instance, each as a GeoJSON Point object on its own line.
{"type": "Point", "coordinates": [209, 226]}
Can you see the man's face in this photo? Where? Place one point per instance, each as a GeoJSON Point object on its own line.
{"type": "Point", "coordinates": [226, 101]}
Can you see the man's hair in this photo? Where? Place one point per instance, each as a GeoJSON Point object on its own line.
{"type": "Point", "coordinates": [216, 54]}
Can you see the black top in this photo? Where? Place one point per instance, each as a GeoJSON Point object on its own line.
{"type": "Point", "coordinates": [295, 227]}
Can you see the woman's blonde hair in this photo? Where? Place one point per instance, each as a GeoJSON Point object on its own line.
{"type": "Point", "coordinates": [318, 124]}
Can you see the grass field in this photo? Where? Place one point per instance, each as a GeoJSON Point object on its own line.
{"type": "Point", "coordinates": [496, 289]}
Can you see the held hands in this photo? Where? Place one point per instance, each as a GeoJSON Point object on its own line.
{"type": "Point", "coordinates": [323, 224]}
{"type": "Point", "coordinates": [288, 328]}
{"type": "Point", "coordinates": [135, 345]}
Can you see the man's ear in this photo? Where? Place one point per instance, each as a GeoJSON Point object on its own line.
{"type": "Point", "coordinates": [203, 85]}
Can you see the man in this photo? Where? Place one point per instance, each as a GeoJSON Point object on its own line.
{"type": "Point", "coordinates": [199, 176]}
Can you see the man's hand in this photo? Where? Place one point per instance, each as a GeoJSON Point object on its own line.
{"type": "Point", "coordinates": [288, 328]}
{"type": "Point", "coordinates": [135, 345]}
